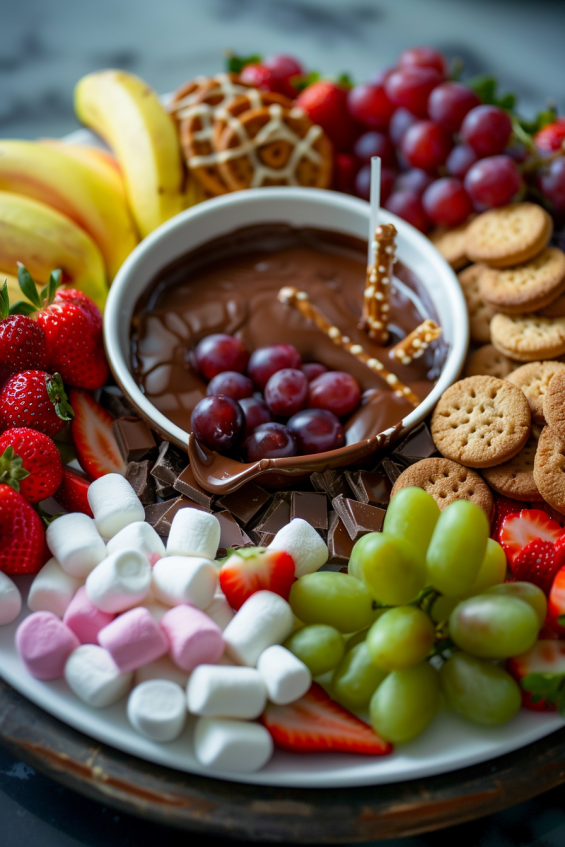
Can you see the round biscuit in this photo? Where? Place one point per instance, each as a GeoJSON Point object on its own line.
{"type": "Point", "coordinates": [554, 399]}
{"type": "Point", "coordinates": [528, 338]}
{"type": "Point", "coordinates": [451, 245]}
{"type": "Point", "coordinates": [508, 235]}
{"type": "Point", "coordinates": [515, 478]}
{"type": "Point", "coordinates": [446, 481]}
{"type": "Point", "coordinates": [534, 379]}
{"type": "Point", "coordinates": [549, 466]}
{"type": "Point", "coordinates": [481, 421]}
{"type": "Point", "coordinates": [556, 309]}
{"type": "Point", "coordinates": [526, 287]}
{"type": "Point", "coordinates": [480, 313]}
{"type": "Point", "coordinates": [488, 361]}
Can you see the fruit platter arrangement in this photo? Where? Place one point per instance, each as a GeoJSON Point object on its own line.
{"type": "Point", "coordinates": [352, 610]}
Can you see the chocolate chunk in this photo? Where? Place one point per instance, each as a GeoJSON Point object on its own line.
{"type": "Point", "coordinates": [163, 525]}
{"type": "Point", "coordinates": [372, 487]}
{"type": "Point", "coordinates": [311, 507]}
{"type": "Point", "coordinates": [165, 492]}
{"type": "Point", "coordinates": [332, 483]}
{"type": "Point", "coordinates": [139, 477]}
{"type": "Point", "coordinates": [340, 544]}
{"type": "Point", "coordinates": [245, 503]}
{"type": "Point", "coordinates": [276, 516]}
{"type": "Point", "coordinates": [155, 511]}
{"type": "Point", "coordinates": [358, 518]}
{"type": "Point", "coordinates": [185, 482]}
{"type": "Point", "coordinates": [391, 469]}
{"type": "Point", "coordinates": [135, 439]}
{"type": "Point", "coordinates": [113, 399]}
{"type": "Point", "coordinates": [231, 534]}
{"type": "Point", "coordinates": [169, 464]}
{"type": "Point", "coordinates": [417, 445]}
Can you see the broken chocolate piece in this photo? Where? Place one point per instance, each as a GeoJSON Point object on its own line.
{"type": "Point", "coordinates": [185, 482]}
{"type": "Point", "coordinates": [155, 511]}
{"type": "Point", "coordinates": [114, 400]}
{"type": "Point", "coordinates": [371, 487]}
{"type": "Point", "coordinates": [245, 503]}
{"type": "Point", "coordinates": [358, 518]}
{"type": "Point", "coordinates": [311, 507]}
{"type": "Point", "coordinates": [340, 544]}
{"type": "Point", "coordinates": [276, 516]}
{"type": "Point", "coordinates": [169, 463]}
{"type": "Point", "coordinates": [391, 469]}
{"type": "Point", "coordinates": [417, 445]}
{"type": "Point", "coordinates": [332, 483]}
{"type": "Point", "coordinates": [231, 534]}
{"type": "Point", "coordinates": [163, 525]}
{"type": "Point", "coordinates": [165, 492]}
{"type": "Point", "coordinates": [135, 439]}
{"type": "Point", "coordinates": [139, 477]}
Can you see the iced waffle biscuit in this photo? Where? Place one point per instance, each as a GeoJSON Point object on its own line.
{"type": "Point", "coordinates": [534, 379]}
{"type": "Point", "coordinates": [252, 99]}
{"type": "Point", "coordinates": [508, 235]}
{"type": "Point", "coordinates": [451, 244]}
{"type": "Point", "coordinates": [488, 361]}
{"type": "Point", "coordinates": [481, 421]}
{"type": "Point", "coordinates": [528, 338]}
{"type": "Point", "coordinates": [480, 313]}
{"type": "Point", "coordinates": [446, 481]}
{"type": "Point", "coordinates": [274, 146]}
{"type": "Point", "coordinates": [549, 466]}
{"type": "Point", "coordinates": [515, 478]}
{"type": "Point", "coordinates": [554, 400]}
{"type": "Point", "coordinates": [526, 287]}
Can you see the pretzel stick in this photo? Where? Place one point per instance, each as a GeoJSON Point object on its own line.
{"type": "Point", "coordinates": [376, 303]}
{"type": "Point", "coordinates": [415, 344]}
{"type": "Point", "coordinates": [291, 296]}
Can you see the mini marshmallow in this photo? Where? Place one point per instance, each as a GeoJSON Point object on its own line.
{"type": "Point", "coordinates": [194, 639]}
{"type": "Point", "coordinates": [217, 691]}
{"type": "Point", "coordinates": [302, 542]}
{"type": "Point", "coordinates": [76, 544]}
{"type": "Point", "coordinates": [52, 589]}
{"type": "Point", "coordinates": [133, 639]}
{"type": "Point", "coordinates": [220, 611]}
{"type": "Point", "coordinates": [158, 610]}
{"type": "Point", "coordinates": [285, 676]}
{"type": "Point", "coordinates": [114, 504]}
{"type": "Point", "coordinates": [120, 581]}
{"type": "Point", "coordinates": [157, 709]}
{"type": "Point", "coordinates": [162, 668]}
{"type": "Point", "coordinates": [10, 600]}
{"type": "Point", "coordinates": [232, 745]}
{"type": "Point", "coordinates": [184, 579]}
{"type": "Point", "coordinates": [84, 618]}
{"type": "Point", "coordinates": [93, 676]}
{"type": "Point", "coordinates": [194, 533]}
{"type": "Point", "coordinates": [138, 536]}
{"type": "Point", "coordinates": [44, 644]}
{"type": "Point", "coordinates": [263, 620]}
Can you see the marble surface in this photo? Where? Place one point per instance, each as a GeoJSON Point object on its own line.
{"type": "Point", "coordinates": [46, 45]}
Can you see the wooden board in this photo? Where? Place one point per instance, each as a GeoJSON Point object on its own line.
{"type": "Point", "coordinates": [288, 815]}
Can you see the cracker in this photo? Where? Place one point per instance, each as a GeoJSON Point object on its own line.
{"type": "Point", "coordinates": [534, 379]}
{"type": "Point", "coordinates": [549, 466]}
{"type": "Point", "coordinates": [515, 478]}
{"type": "Point", "coordinates": [480, 314]}
{"type": "Point", "coordinates": [528, 338]}
{"type": "Point", "coordinates": [526, 287]}
{"type": "Point", "coordinates": [508, 235]}
{"type": "Point", "coordinates": [446, 481]}
{"type": "Point", "coordinates": [555, 309]}
{"type": "Point", "coordinates": [481, 421]}
{"type": "Point", "coordinates": [451, 244]}
{"type": "Point", "coordinates": [554, 400]}
{"type": "Point", "coordinates": [488, 361]}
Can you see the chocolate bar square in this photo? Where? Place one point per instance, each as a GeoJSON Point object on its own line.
{"type": "Point", "coordinates": [185, 483]}
{"type": "Point", "coordinates": [139, 477]}
{"type": "Point", "coordinates": [340, 544]}
{"type": "Point", "coordinates": [358, 518]}
{"type": "Point", "coordinates": [169, 463]}
{"type": "Point", "coordinates": [372, 487]}
{"type": "Point", "coordinates": [311, 507]}
{"type": "Point", "coordinates": [135, 439]}
{"type": "Point", "coordinates": [331, 483]}
{"type": "Point", "coordinates": [245, 503]}
{"type": "Point", "coordinates": [231, 534]}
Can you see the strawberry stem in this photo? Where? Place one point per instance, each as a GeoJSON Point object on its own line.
{"type": "Point", "coordinates": [4, 301]}
{"type": "Point", "coordinates": [58, 397]}
{"type": "Point", "coordinates": [27, 286]}
{"type": "Point", "coordinates": [11, 471]}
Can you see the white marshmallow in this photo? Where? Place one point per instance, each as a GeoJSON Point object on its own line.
{"type": "Point", "coordinates": [194, 533]}
{"type": "Point", "coordinates": [162, 668]}
{"type": "Point", "coordinates": [52, 589]}
{"type": "Point", "coordinates": [220, 611]}
{"type": "Point", "coordinates": [158, 610]}
{"type": "Point", "coordinates": [138, 536]}
{"type": "Point", "coordinates": [119, 582]}
{"type": "Point", "coordinates": [184, 579]}
{"type": "Point", "coordinates": [92, 675]}
{"type": "Point", "coordinates": [10, 600]}
{"type": "Point", "coordinates": [285, 676]}
{"type": "Point", "coordinates": [232, 745]}
{"type": "Point", "coordinates": [302, 542]}
{"type": "Point", "coordinates": [114, 504]}
{"type": "Point", "coordinates": [157, 709]}
{"type": "Point", "coordinates": [76, 543]}
{"type": "Point", "coordinates": [218, 691]}
{"type": "Point", "coordinates": [263, 620]}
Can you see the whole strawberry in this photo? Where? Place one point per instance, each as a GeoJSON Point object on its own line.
{"type": "Point", "coordinates": [22, 341]}
{"type": "Point", "coordinates": [30, 463]}
{"type": "Point", "coordinates": [325, 103]}
{"type": "Point", "coordinates": [22, 536]}
{"type": "Point", "coordinates": [34, 399]}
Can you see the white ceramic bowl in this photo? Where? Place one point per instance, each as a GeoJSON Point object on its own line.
{"type": "Point", "coordinates": [299, 207]}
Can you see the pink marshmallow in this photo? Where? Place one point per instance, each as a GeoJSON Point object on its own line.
{"type": "Point", "coordinates": [133, 639]}
{"type": "Point", "coordinates": [193, 637]}
{"type": "Point", "coordinates": [44, 644]}
{"type": "Point", "coordinates": [84, 618]}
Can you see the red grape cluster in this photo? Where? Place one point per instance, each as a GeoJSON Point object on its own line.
{"type": "Point", "coordinates": [269, 405]}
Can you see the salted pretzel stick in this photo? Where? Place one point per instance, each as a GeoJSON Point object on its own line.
{"type": "Point", "coordinates": [291, 296]}
{"type": "Point", "coordinates": [376, 303]}
{"type": "Point", "coordinates": [415, 344]}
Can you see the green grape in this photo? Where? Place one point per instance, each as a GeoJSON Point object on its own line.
{"type": "Point", "coordinates": [392, 569]}
{"type": "Point", "coordinates": [479, 691]}
{"type": "Point", "coordinates": [320, 647]}
{"type": "Point", "coordinates": [492, 570]}
{"type": "Point", "coordinates": [442, 608]}
{"type": "Point", "coordinates": [400, 638]}
{"type": "Point", "coordinates": [356, 678]}
{"type": "Point", "coordinates": [362, 550]}
{"type": "Point", "coordinates": [405, 703]}
{"type": "Point", "coordinates": [457, 548]}
{"type": "Point", "coordinates": [494, 626]}
{"type": "Point", "coordinates": [412, 515]}
{"type": "Point", "coordinates": [336, 599]}
{"type": "Point", "coordinates": [526, 591]}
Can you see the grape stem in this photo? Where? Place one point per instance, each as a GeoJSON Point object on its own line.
{"type": "Point", "coordinates": [426, 599]}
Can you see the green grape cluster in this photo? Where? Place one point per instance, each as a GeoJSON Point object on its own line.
{"type": "Point", "coordinates": [423, 611]}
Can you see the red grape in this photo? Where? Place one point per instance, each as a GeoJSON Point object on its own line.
{"type": "Point", "coordinates": [446, 202]}
{"type": "Point", "coordinates": [552, 183]}
{"type": "Point", "coordinates": [316, 431]}
{"type": "Point", "coordinates": [363, 182]}
{"type": "Point", "coordinates": [460, 160]}
{"type": "Point", "coordinates": [325, 103]}
{"type": "Point", "coordinates": [487, 129]}
{"type": "Point", "coordinates": [336, 391]}
{"type": "Point", "coordinates": [217, 422]}
{"type": "Point", "coordinates": [345, 168]}
{"type": "Point", "coordinates": [424, 57]}
{"type": "Point", "coordinates": [426, 145]}
{"type": "Point", "coordinates": [375, 144]}
{"type": "Point", "coordinates": [232, 384]}
{"type": "Point", "coordinates": [313, 369]}
{"type": "Point", "coordinates": [551, 137]}
{"type": "Point", "coordinates": [401, 121]}
{"type": "Point", "coordinates": [265, 361]}
{"type": "Point", "coordinates": [413, 180]}
{"type": "Point", "coordinates": [411, 86]}
{"type": "Point", "coordinates": [380, 77]}
{"type": "Point", "coordinates": [369, 105]}
{"type": "Point", "coordinates": [218, 353]}
{"type": "Point", "coordinates": [408, 205]}
{"type": "Point", "coordinates": [286, 392]}
{"type": "Point", "coordinates": [269, 441]}
{"type": "Point", "coordinates": [493, 181]}
{"type": "Point", "coordinates": [449, 103]}
{"type": "Point", "coordinates": [255, 412]}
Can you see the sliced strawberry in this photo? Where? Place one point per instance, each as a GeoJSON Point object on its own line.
{"type": "Point", "coordinates": [503, 507]}
{"type": "Point", "coordinates": [536, 563]}
{"type": "Point", "coordinates": [73, 491]}
{"type": "Point", "coordinates": [317, 724]}
{"type": "Point", "coordinates": [95, 443]}
{"type": "Point", "coordinates": [545, 657]}
{"type": "Point", "coordinates": [519, 530]}
{"type": "Point", "coordinates": [256, 569]}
